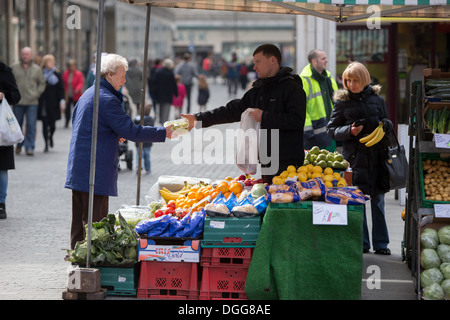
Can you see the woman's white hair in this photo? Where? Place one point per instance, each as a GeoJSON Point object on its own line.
{"type": "Point", "coordinates": [168, 63]}
{"type": "Point", "coordinates": [111, 62]}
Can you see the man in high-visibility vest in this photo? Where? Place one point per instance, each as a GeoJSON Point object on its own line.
{"type": "Point", "coordinates": [319, 86]}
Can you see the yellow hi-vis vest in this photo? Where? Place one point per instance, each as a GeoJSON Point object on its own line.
{"type": "Point", "coordinates": [316, 116]}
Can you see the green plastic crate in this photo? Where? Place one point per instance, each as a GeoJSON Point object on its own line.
{"type": "Point", "coordinates": [422, 157]}
{"type": "Point", "coordinates": [230, 232]}
{"type": "Point", "coordinates": [119, 281]}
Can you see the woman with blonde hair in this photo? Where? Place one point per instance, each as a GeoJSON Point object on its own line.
{"type": "Point", "coordinates": [358, 110]}
{"type": "Point", "coordinates": [51, 101]}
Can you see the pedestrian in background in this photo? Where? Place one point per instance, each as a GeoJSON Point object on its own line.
{"type": "Point", "coordinates": [358, 109]}
{"type": "Point", "coordinates": [10, 92]}
{"type": "Point", "coordinates": [146, 146]}
{"type": "Point", "coordinates": [233, 76]}
{"type": "Point", "coordinates": [154, 68]}
{"type": "Point", "coordinates": [165, 89]}
{"type": "Point", "coordinates": [52, 100]}
{"type": "Point", "coordinates": [134, 82]}
{"type": "Point", "coordinates": [187, 70]}
{"type": "Point", "coordinates": [319, 86]}
{"type": "Point", "coordinates": [31, 83]}
{"type": "Point", "coordinates": [73, 85]}
{"type": "Point", "coordinates": [178, 101]}
{"type": "Point", "coordinates": [114, 125]}
{"type": "Point", "coordinates": [203, 92]}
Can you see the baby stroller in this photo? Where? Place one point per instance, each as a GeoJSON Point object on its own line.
{"type": "Point", "coordinates": [123, 147]}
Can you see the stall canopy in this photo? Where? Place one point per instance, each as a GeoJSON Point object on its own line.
{"type": "Point", "coordinates": [335, 10]}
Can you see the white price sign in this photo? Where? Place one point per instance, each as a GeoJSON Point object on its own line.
{"type": "Point", "coordinates": [442, 210]}
{"type": "Point", "coordinates": [442, 140]}
{"type": "Point", "coordinates": [327, 213]}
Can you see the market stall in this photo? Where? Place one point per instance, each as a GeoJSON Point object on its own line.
{"type": "Point", "coordinates": [428, 204]}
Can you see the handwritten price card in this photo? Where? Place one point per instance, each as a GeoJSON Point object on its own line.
{"type": "Point", "coordinates": [442, 140]}
{"type": "Point", "coordinates": [442, 211]}
{"type": "Point", "coordinates": [327, 213]}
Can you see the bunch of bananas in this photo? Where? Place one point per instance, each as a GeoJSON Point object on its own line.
{"type": "Point", "coordinates": [168, 195]}
{"type": "Point", "coordinates": [374, 137]}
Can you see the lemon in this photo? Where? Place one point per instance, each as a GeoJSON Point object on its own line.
{"type": "Point", "coordinates": [291, 169]}
{"type": "Point", "coordinates": [342, 183]}
{"type": "Point", "coordinates": [292, 174]}
{"type": "Point", "coordinates": [277, 180]}
{"type": "Point", "coordinates": [328, 170]}
{"type": "Point", "coordinates": [302, 169]}
{"type": "Point", "coordinates": [309, 174]}
{"type": "Point", "coordinates": [337, 176]}
{"type": "Point", "coordinates": [328, 177]}
{"type": "Point", "coordinates": [328, 184]}
{"type": "Point", "coordinates": [317, 169]}
{"type": "Point", "coordinates": [310, 167]}
{"type": "Point", "coordinates": [316, 175]}
{"type": "Point", "coordinates": [302, 177]}
{"type": "Point", "coordinates": [284, 174]}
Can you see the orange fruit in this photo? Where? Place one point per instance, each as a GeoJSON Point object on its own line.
{"type": "Point", "coordinates": [223, 187]}
{"type": "Point", "coordinates": [214, 193]}
{"type": "Point", "coordinates": [236, 187]}
{"type": "Point", "coordinates": [227, 194]}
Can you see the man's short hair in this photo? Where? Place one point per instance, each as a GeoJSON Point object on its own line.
{"type": "Point", "coordinates": [313, 54]}
{"type": "Point", "coordinates": [269, 50]}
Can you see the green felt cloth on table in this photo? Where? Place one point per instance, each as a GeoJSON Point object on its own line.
{"type": "Point", "coordinates": [296, 260]}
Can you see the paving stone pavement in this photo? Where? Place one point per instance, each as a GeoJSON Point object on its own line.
{"type": "Point", "coordinates": [35, 236]}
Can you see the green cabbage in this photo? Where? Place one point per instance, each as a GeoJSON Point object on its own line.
{"type": "Point", "coordinates": [443, 251]}
{"type": "Point", "coordinates": [429, 238]}
{"type": "Point", "coordinates": [445, 269]}
{"type": "Point", "coordinates": [444, 234]}
{"type": "Point", "coordinates": [445, 285]}
{"type": "Point", "coordinates": [109, 244]}
{"type": "Point", "coordinates": [429, 258]}
{"type": "Point", "coordinates": [433, 292]}
{"type": "Point", "coordinates": [258, 190]}
{"type": "Point", "coordinates": [430, 276]}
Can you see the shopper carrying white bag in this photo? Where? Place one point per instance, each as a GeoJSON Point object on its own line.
{"type": "Point", "coordinates": [248, 144]}
{"type": "Point", "coordinates": [10, 132]}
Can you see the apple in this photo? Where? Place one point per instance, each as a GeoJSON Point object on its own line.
{"type": "Point", "coordinates": [248, 182]}
{"type": "Point", "coordinates": [241, 177]}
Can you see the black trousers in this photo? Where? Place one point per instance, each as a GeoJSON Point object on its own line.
{"type": "Point", "coordinates": [80, 212]}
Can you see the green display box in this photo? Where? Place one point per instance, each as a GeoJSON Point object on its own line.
{"type": "Point", "coordinates": [119, 281]}
{"type": "Point", "coordinates": [231, 232]}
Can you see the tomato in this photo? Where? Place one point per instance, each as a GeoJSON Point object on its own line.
{"type": "Point", "coordinates": [171, 205]}
{"type": "Point", "coordinates": [183, 213]}
{"type": "Point", "coordinates": [159, 213]}
{"type": "Point", "coordinates": [170, 211]}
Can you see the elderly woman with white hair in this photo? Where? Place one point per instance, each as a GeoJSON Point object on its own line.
{"type": "Point", "coordinates": [113, 125]}
{"type": "Point", "coordinates": [165, 89]}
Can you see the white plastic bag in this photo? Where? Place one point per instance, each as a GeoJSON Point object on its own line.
{"type": "Point", "coordinates": [248, 144]}
{"type": "Point", "coordinates": [10, 132]}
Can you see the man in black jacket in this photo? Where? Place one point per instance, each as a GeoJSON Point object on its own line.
{"type": "Point", "coordinates": [276, 100]}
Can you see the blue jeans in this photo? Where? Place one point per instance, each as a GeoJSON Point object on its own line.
{"type": "Point", "coordinates": [145, 158]}
{"type": "Point", "coordinates": [3, 185]}
{"type": "Point", "coordinates": [380, 235]}
{"type": "Point", "coordinates": [30, 112]}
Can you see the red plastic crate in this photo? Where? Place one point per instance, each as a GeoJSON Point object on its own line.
{"type": "Point", "coordinates": [223, 283]}
{"type": "Point", "coordinates": [168, 280]}
{"type": "Point", "coordinates": [226, 256]}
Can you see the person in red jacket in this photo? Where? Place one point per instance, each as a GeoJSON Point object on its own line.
{"type": "Point", "coordinates": [73, 85]}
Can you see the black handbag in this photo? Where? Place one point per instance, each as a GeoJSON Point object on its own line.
{"type": "Point", "coordinates": [396, 164]}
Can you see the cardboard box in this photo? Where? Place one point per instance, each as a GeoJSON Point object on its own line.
{"type": "Point", "coordinates": [169, 249]}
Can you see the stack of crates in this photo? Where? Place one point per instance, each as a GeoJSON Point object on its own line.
{"type": "Point", "coordinates": [227, 249]}
{"type": "Point", "coordinates": [169, 268]}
